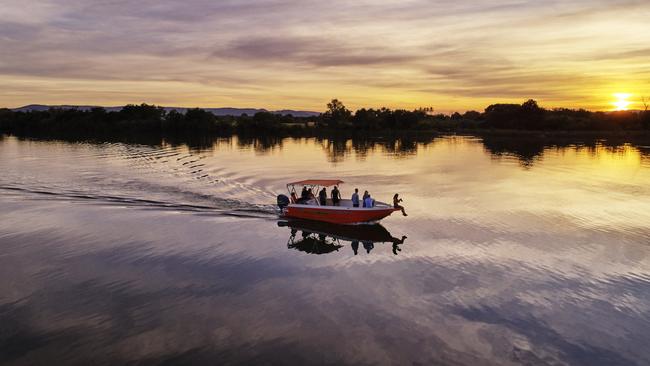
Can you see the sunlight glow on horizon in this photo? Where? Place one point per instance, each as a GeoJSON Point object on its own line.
{"type": "Point", "coordinates": [622, 103]}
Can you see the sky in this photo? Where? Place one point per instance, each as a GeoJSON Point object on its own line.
{"type": "Point", "coordinates": [452, 55]}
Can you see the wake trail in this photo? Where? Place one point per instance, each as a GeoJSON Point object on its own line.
{"type": "Point", "coordinates": [153, 177]}
{"type": "Point", "coordinates": [224, 207]}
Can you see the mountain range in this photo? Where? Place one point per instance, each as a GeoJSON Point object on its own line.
{"type": "Point", "coordinates": [215, 111]}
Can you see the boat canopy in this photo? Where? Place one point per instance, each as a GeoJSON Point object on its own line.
{"type": "Point", "coordinates": [317, 182]}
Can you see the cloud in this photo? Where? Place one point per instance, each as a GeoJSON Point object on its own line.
{"type": "Point", "coordinates": [418, 51]}
{"type": "Point", "coordinates": [311, 51]}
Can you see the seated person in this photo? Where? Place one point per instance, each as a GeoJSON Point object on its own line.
{"type": "Point", "coordinates": [368, 202]}
{"type": "Point", "coordinates": [396, 201]}
{"type": "Point", "coordinates": [306, 196]}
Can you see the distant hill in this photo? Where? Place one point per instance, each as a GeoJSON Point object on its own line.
{"type": "Point", "coordinates": [215, 111]}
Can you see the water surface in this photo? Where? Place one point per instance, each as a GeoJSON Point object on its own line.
{"type": "Point", "coordinates": [513, 253]}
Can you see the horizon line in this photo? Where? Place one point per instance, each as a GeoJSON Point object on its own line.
{"type": "Point", "coordinates": [434, 111]}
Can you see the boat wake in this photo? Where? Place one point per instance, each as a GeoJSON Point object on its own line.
{"type": "Point", "coordinates": [160, 177]}
{"type": "Point", "coordinates": [217, 206]}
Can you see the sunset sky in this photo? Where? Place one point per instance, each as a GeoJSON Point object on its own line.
{"type": "Point", "coordinates": [275, 54]}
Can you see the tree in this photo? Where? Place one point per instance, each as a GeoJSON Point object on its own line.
{"type": "Point", "coordinates": [426, 110]}
{"type": "Point", "coordinates": [174, 120]}
{"type": "Point", "coordinates": [645, 115]}
{"type": "Point", "coordinates": [266, 120]}
{"type": "Point", "coordinates": [472, 115]}
{"type": "Point", "coordinates": [366, 118]}
{"type": "Point", "coordinates": [144, 114]}
{"type": "Point", "coordinates": [530, 106]}
{"type": "Point", "coordinates": [199, 119]}
{"type": "Point", "coordinates": [336, 113]}
{"type": "Point", "coordinates": [502, 115]}
{"type": "Point", "coordinates": [532, 116]}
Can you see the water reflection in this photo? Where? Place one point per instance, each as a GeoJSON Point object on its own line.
{"type": "Point", "coordinates": [526, 148]}
{"type": "Point", "coordinates": [530, 149]}
{"type": "Point", "coordinates": [322, 238]}
{"type": "Point", "coordinates": [168, 251]}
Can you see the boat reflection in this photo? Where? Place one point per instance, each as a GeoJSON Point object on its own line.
{"type": "Point", "coordinates": [323, 238]}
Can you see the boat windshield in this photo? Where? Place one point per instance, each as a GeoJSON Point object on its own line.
{"type": "Point", "coordinates": [316, 182]}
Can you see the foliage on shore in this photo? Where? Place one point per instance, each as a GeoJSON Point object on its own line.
{"type": "Point", "coordinates": [137, 119]}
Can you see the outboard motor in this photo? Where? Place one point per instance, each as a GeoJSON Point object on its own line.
{"type": "Point", "coordinates": [283, 201]}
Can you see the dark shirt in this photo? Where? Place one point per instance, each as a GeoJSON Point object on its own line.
{"type": "Point", "coordinates": [336, 195]}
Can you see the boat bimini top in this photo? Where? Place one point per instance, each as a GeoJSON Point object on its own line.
{"type": "Point", "coordinates": [316, 182]}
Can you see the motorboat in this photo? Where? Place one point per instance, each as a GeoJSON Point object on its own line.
{"type": "Point", "coordinates": [344, 212]}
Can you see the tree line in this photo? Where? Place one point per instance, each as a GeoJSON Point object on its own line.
{"type": "Point", "coordinates": [151, 119]}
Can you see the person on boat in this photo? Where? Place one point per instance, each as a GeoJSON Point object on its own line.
{"type": "Point", "coordinates": [368, 246]}
{"type": "Point", "coordinates": [396, 201]}
{"type": "Point", "coordinates": [355, 198]}
{"type": "Point", "coordinates": [397, 243]}
{"type": "Point", "coordinates": [305, 196]}
{"type": "Point", "coordinates": [322, 195]}
{"type": "Point", "coordinates": [365, 195]}
{"type": "Point", "coordinates": [336, 196]}
{"type": "Point", "coordinates": [355, 247]}
{"type": "Point", "coordinates": [368, 202]}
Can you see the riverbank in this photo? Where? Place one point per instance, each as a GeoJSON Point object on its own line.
{"type": "Point", "coordinates": [498, 119]}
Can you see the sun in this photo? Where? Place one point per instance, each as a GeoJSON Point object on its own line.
{"type": "Point", "coordinates": [622, 103]}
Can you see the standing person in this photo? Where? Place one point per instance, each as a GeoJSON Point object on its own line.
{"type": "Point", "coordinates": [322, 195]}
{"type": "Point", "coordinates": [355, 198]}
{"type": "Point", "coordinates": [368, 202]}
{"type": "Point", "coordinates": [355, 247]}
{"type": "Point", "coordinates": [396, 201]}
{"type": "Point", "coordinates": [368, 246]}
{"type": "Point", "coordinates": [336, 196]}
{"type": "Point", "coordinates": [305, 193]}
{"type": "Point", "coordinates": [365, 195]}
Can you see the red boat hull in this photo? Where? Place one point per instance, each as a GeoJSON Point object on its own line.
{"type": "Point", "coordinates": [338, 215]}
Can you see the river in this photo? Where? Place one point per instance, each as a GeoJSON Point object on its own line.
{"type": "Point", "coordinates": [514, 252]}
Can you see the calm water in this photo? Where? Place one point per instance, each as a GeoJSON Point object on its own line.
{"type": "Point", "coordinates": [516, 253]}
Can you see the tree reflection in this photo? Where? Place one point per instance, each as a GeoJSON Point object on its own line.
{"type": "Point", "coordinates": [527, 152]}
{"type": "Point", "coordinates": [260, 144]}
{"type": "Point", "coordinates": [527, 148]}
